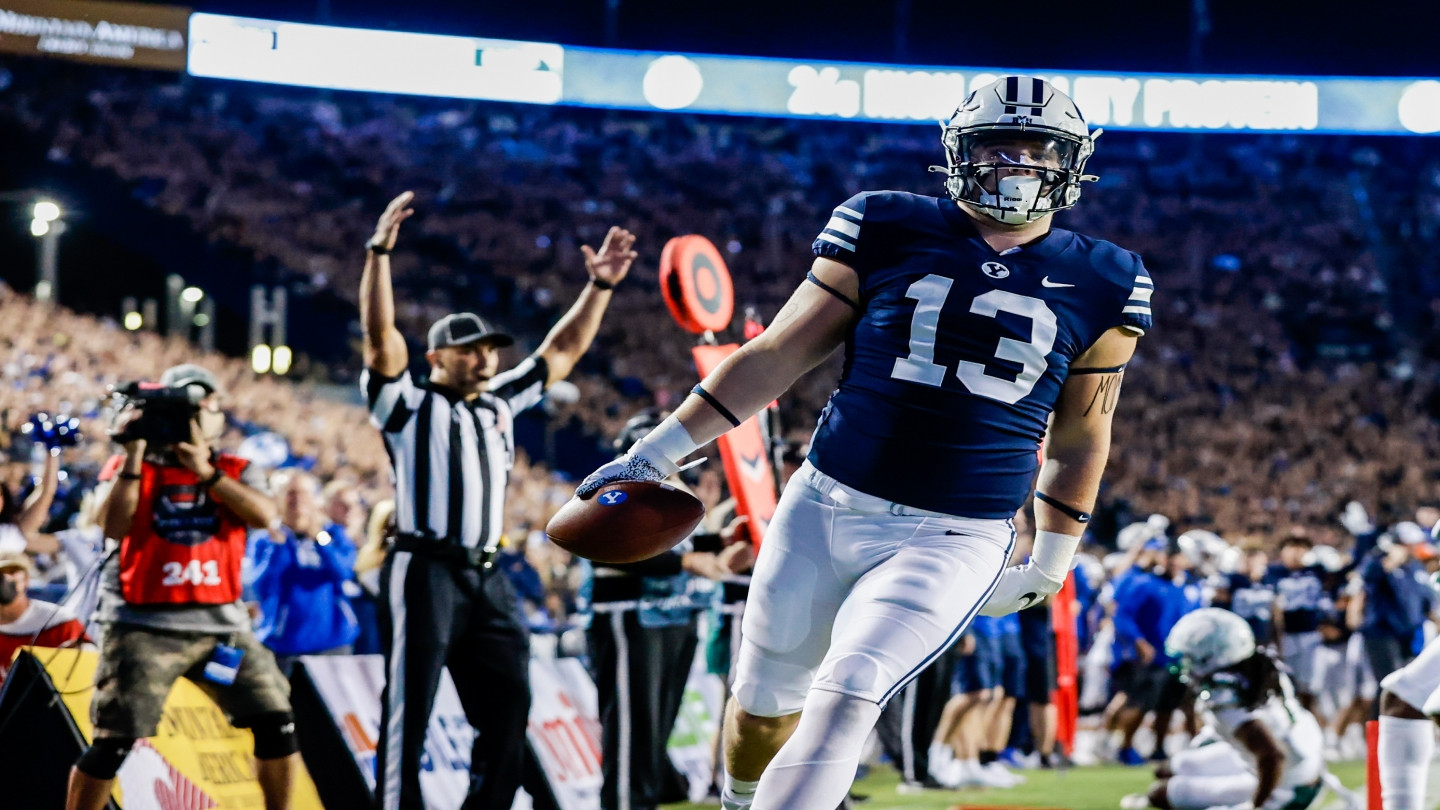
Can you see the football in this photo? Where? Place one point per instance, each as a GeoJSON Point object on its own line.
{"type": "Point", "coordinates": [626, 522]}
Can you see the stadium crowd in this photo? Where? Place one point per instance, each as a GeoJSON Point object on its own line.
{"type": "Point", "coordinates": [1291, 373]}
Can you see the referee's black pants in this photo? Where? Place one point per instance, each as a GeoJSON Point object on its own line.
{"type": "Point", "coordinates": [435, 614]}
{"type": "Point", "coordinates": [640, 673]}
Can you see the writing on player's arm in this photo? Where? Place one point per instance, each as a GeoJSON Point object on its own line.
{"type": "Point", "coordinates": [573, 333]}
{"type": "Point", "coordinates": [1269, 758]}
{"type": "Point", "coordinates": [1077, 445]}
{"type": "Point", "coordinates": [384, 350]}
{"type": "Point", "coordinates": [807, 330]}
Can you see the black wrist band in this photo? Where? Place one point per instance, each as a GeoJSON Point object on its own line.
{"type": "Point", "coordinates": [601, 284]}
{"type": "Point", "coordinates": [1064, 509]}
{"type": "Point", "coordinates": [715, 403]}
{"type": "Point", "coordinates": [214, 479]}
{"type": "Point", "coordinates": [377, 248]}
{"type": "Point", "coordinates": [129, 476]}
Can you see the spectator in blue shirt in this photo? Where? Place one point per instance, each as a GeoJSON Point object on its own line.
{"type": "Point", "coordinates": [298, 572]}
{"type": "Point", "coordinates": [1147, 606]}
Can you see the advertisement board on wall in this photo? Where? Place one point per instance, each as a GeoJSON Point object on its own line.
{"type": "Point", "coordinates": [132, 34]}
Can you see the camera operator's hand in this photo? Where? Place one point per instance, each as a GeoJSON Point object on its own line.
{"type": "Point", "coordinates": [195, 454]}
{"type": "Point", "coordinates": [134, 448]}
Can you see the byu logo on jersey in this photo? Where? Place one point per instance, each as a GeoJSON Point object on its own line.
{"type": "Point", "coordinates": [995, 270]}
{"type": "Point", "coordinates": [612, 498]}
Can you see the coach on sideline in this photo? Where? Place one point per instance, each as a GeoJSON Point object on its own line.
{"type": "Point", "coordinates": [451, 441]}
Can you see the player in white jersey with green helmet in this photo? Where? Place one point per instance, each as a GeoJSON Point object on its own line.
{"type": "Point", "coordinates": [1270, 750]}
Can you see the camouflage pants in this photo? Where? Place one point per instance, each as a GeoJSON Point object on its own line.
{"type": "Point", "coordinates": [139, 665]}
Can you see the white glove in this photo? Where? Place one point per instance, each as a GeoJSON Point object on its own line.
{"type": "Point", "coordinates": [1356, 520]}
{"type": "Point", "coordinates": [637, 465]}
{"type": "Point", "coordinates": [1020, 587]}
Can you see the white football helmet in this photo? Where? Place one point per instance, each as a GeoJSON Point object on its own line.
{"type": "Point", "coordinates": [1017, 121]}
{"type": "Point", "coordinates": [1209, 640]}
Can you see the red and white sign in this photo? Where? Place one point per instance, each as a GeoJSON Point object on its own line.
{"type": "Point", "coordinates": [564, 728]}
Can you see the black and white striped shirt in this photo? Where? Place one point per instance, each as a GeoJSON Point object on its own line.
{"type": "Point", "coordinates": [451, 456]}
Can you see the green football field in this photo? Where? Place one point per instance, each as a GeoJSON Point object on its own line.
{"type": "Point", "coordinates": [1096, 788]}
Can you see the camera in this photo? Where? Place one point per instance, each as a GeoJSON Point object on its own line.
{"type": "Point", "coordinates": [166, 412]}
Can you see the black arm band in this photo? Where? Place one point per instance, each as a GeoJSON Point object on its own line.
{"type": "Point", "coordinates": [601, 284]}
{"type": "Point", "coordinates": [1110, 370]}
{"type": "Point", "coordinates": [813, 279]}
{"type": "Point", "coordinates": [1064, 509]}
{"type": "Point", "coordinates": [214, 479]}
{"type": "Point", "coordinates": [377, 248]}
{"type": "Point", "coordinates": [129, 476]}
{"type": "Point", "coordinates": [715, 403]}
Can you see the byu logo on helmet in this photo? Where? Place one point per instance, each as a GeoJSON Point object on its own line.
{"type": "Point", "coordinates": [995, 270]}
{"type": "Point", "coordinates": [612, 498]}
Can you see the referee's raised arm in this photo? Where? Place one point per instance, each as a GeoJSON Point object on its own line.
{"type": "Point", "coordinates": [571, 336]}
{"type": "Point", "coordinates": [384, 351]}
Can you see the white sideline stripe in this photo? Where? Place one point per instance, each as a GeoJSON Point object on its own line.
{"type": "Point", "coordinates": [394, 744]}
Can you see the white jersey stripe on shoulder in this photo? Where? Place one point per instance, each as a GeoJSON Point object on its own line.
{"type": "Point", "coordinates": [835, 240]}
{"type": "Point", "coordinates": [1136, 310]}
{"type": "Point", "coordinates": [1144, 281]}
{"type": "Point", "coordinates": [849, 212]}
{"type": "Point", "coordinates": [844, 226]}
{"type": "Point", "coordinates": [1142, 294]}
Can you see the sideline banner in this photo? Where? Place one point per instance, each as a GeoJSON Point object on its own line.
{"type": "Point", "coordinates": [133, 34]}
{"type": "Point", "coordinates": [343, 692]}
{"type": "Point", "coordinates": [196, 760]}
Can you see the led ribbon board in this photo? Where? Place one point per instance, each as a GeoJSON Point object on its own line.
{"type": "Point", "coordinates": [549, 73]}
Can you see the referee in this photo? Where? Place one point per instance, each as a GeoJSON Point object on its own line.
{"type": "Point", "coordinates": [451, 441]}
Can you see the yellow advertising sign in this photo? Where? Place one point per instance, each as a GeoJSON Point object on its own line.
{"type": "Point", "coordinates": [195, 760]}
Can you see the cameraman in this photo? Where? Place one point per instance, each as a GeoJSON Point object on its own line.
{"type": "Point", "coordinates": [171, 596]}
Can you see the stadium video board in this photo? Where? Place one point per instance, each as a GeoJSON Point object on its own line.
{"type": "Point", "coordinates": [549, 73]}
{"type": "Point", "coordinates": [133, 34]}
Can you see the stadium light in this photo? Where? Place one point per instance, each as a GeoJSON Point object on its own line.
{"type": "Point", "coordinates": [281, 360]}
{"type": "Point", "coordinates": [46, 226]}
{"type": "Point", "coordinates": [133, 321]}
{"type": "Point", "coordinates": [260, 358]}
{"type": "Point", "coordinates": [46, 211]}
{"type": "Point", "coordinates": [201, 320]}
{"type": "Point", "coordinates": [192, 295]}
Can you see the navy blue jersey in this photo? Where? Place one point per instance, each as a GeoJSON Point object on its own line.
{"type": "Point", "coordinates": [1302, 595]}
{"type": "Point", "coordinates": [1252, 601]}
{"type": "Point", "coordinates": [959, 353]}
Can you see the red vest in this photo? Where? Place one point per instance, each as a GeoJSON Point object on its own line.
{"type": "Point", "coordinates": [184, 546]}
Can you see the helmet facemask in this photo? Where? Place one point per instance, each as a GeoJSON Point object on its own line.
{"type": "Point", "coordinates": [1013, 174]}
{"type": "Point", "coordinates": [1016, 150]}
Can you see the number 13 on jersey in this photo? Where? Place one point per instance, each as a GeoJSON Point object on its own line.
{"type": "Point", "coordinates": [930, 293]}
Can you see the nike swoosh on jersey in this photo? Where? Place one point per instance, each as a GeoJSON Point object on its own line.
{"type": "Point", "coordinates": [1046, 282]}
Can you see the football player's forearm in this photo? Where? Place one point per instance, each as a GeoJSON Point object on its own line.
{"type": "Point", "coordinates": [1071, 477]}
{"type": "Point", "coordinates": [743, 383]}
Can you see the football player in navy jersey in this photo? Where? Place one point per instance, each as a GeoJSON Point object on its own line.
{"type": "Point", "coordinates": [1301, 600]}
{"type": "Point", "coordinates": [1246, 594]}
{"type": "Point", "coordinates": [973, 330]}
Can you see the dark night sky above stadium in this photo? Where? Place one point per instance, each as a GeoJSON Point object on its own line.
{"type": "Point", "coordinates": [1318, 37]}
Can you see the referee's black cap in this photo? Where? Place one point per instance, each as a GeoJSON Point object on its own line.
{"type": "Point", "coordinates": [462, 328]}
